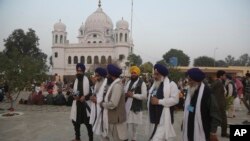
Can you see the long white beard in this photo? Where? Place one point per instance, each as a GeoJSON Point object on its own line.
{"type": "Point", "coordinates": [192, 89]}
{"type": "Point", "coordinates": [157, 84]}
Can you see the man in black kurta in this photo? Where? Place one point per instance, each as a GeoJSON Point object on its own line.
{"type": "Point", "coordinates": [80, 109]}
{"type": "Point", "coordinates": [201, 115]}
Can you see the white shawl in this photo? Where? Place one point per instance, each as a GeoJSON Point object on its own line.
{"type": "Point", "coordinates": [96, 115]}
{"type": "Point", "coordinates": [129, 101]}
{"type": "Point", "coordinates": [85, 92]}
{"type": "Point", "coordinates": [199, 134]}
{"type": "Point", "coordinates": [105, 111]}
{"type": "Point", "coordinates": [165, 119]}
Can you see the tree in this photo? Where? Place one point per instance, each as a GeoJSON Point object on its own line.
{"type": "Point", "coordinates": [230, 60]}
{"type": "Point", "coordinates": [183, 59]}
{"type": "Point", "coordinates": [134, 60]}
{"type": "Point", "coordinates": [22, 61]}
{"type": "Point", "coordinates": [146, 67]}
{"type": "Point", "coordinates": [244, 60]}
{"type": "Point", "coordinates": [220, 63]}
{"type": "Point", "coordinates": [204, 61]}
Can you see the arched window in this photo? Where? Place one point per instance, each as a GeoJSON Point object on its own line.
{"type": "Point", "coordinates": [109, 60]}
{"type": "Point", "coordinates": [56, 39]}
{"type": "Point", "coordinates": [89, 60]}
{"type": "Point", "coordinates": [83, 59]}
{"type": "Point", "coordinates": [96, 60]}
{"type": "Point", "coordinates": [126, 37]}
{"type": "Point", "coordinates": [94, 42]}
{"type": "Point", "coordinates": [75, 60]}
{"type": "Point", "coordinates": [100, 42]}
{"type": "Point", "coordinates": [103, 60]}
{"type": "Point", "coordinates": [64, 39]}
{"type": "Point", "coordinates": [89, 42]}
{"type": "Point", "coordinates": [61, 39]}
{"type": "Point", "coordinates": [120, 37]}
{"type": "Point", "coordinates": [69, 60]}
{"type": "Point", "coordinates": [121, 57]}
{"type": "Point", "coordinates": [116, 37]}
{"type": "Point", "coordinates": [81, 32]}
{"type": "Point", "coordinates": [56, 54]}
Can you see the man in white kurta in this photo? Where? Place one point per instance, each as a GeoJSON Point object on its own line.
{"type": "Point", "coordinates": [162, 95]}
{"type": "Point", "coordinates": [114, 106]}
{"type": "Point", "coordinates": [97, 97]}
{"type": "Point", "coordinates": [136, 92]}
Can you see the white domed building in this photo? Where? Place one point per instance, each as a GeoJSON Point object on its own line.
{"type": "Point", "coordinates": [98, 44]}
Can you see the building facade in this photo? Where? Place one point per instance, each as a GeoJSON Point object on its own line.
{"type": "Point", "coordinates": [99, 43]}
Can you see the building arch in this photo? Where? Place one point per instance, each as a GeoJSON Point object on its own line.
{"type": "Point", "coordinates": [126, 37]}
{"type": "Point", "coordinates": [96, 60]}
{"type": "Point", "coordinates": [121, 35]}
{"type": "Point", "coordinates": [82, 59]}
{"type": "Point", "coordinates": [61, 38]}
{"type": "Point", "coordinates": [75, 59]}
{"type": "Point", "coordinates": [103, 60]}
{"type": "Point", "coordinates": [69, 60]}
{"type": "Point", "coordinates": [56, 38]}
{"type": "Point", "coordinates": [89, 60]}
{"type": "Point", "coordinates": [109, 60]}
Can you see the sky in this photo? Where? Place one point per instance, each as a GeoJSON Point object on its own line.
{"type": "Point", "coordinates": [213, 28]}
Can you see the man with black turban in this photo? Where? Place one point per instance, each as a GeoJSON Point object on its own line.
{"type": "Point", "coordinates": [80, 109]}
{"type": "Point", "coordinates": [162, 95]}
{"type": "Point", "coordinates": [201, 115]}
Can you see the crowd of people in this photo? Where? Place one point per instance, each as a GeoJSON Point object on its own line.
{"type": "Point", "coordinates": [112, 109]}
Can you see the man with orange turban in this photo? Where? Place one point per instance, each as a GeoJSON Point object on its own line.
{"type": "Point", "coordinates": [135, 91]}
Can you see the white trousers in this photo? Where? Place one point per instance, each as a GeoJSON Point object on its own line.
{"type": "Point", "coordinates": [132, 130]}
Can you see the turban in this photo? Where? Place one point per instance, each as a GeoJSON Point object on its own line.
{"type": "Point", "coordinates": [80, 65]}
{"type": "Point", "coordinates": [101, 71]}
{"type": "Point", "coordinates": [161, 69]}
{"type": "Point", "coordinates": [114, 70]}
{"type": "Point", "coordinates": [135, 69]}
{"type": "Point", "coordinates": [196, 74]}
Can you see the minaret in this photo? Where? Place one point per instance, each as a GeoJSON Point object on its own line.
{"type": "Point", "coordinates": [59, 33]}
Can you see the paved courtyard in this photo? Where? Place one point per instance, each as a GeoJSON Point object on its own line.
{"type": "Point", "coordinates": [52, 123]}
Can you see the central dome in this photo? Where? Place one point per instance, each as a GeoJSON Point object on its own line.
{"type": "Point", "coordinates": [98, 21]}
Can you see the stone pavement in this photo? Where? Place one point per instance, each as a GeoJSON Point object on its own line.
{"type": "Point", "coordinates": [52, 123]}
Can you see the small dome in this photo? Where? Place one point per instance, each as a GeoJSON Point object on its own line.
{"type": "Point", "coordinates": [59, 26]}
{"type": "Point", "coordinates": [98, 21]}
{"type": "Point", "coordinates": [122, 24]}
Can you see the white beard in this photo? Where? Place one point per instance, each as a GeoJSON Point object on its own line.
{"type": "Point", "coordinates": [157, 84]}
{"type": "Point", "coordinates": [192, 89]}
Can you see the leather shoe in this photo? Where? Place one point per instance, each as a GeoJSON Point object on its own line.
{"type": "Point", "coordinates": [225, 135]}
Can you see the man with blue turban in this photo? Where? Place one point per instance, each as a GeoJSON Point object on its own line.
{"type": "Point", "coordinates": [97, 97]}
{"type": "Point", "coordinates": [162, 95]}
{"type": "Point", "coordinates": [201, 116]}
{"type": "Point", "coordinates": [136, 92]}
{"type": "Point", "coordinates": [80, 109]}
{"type": "Point", "coordinates": [114, 120]}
